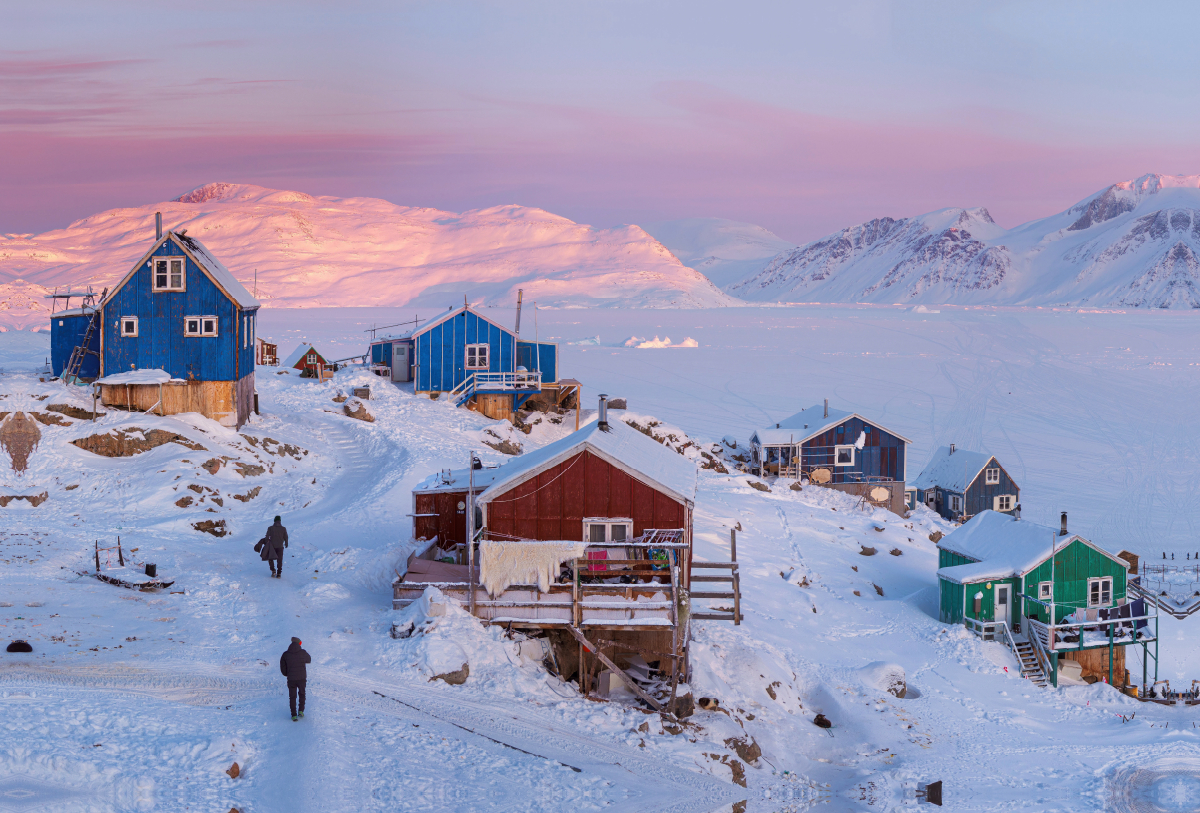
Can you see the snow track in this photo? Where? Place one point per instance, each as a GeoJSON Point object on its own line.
{"type": "Point", "coordinates": [308, 767]}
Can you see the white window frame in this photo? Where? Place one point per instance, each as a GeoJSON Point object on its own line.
{"type": "Point", "coordinates": [609, 523]}
{"type": "Point", "coordinates": [487, 356]}
{"type": "Point", "coordinates": [201, 331]}
{"type": "Point", "coordinates": [154, 261]}
{"type": "Point", "coordinates": [1100, 582]}
{"type": "Point", "coordinates": [1046, 591]}
{"type": "Point", "coordinates": [955, 503]}
{"type": "Point", "coordinates": [312, 358]}
{"type": "Point", "coordinates": [999, 505]}
{"type": "Point", "coordinates": [991, 477]}
{"type": "Point", "coordinates": [122, 322]}
{"type": "Point", "coordinates": [837, 454]}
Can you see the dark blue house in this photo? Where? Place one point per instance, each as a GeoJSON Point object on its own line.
{"type": "Point", "coordinates": [68, 330]}
{"type": "Point", "coordinates": [834, 448]}
{"type": "Point", "coordinates": [176, 335]}
{"type": "Point", "coordinates": [471, 357]}
{"type": "Point", "coordinates": [958, 484]}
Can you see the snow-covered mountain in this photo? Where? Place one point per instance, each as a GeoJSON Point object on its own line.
{"type": "Point", "coordinates": [1133, 244]}
{"type": "Point", "coordinates": [725, 251]}
{"type": "Point", "coordinates": [343, 252]}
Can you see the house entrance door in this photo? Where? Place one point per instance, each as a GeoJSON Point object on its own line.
{"type": "Point", "coordinates": [1004, 604]}
{"type": "Point", "coordinates": [400, 361]}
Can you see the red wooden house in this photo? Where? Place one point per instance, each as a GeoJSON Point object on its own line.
{"type": "Point", "coordinates": [606, 512]}
{"type": "Point", "coordinates": [309, 361]}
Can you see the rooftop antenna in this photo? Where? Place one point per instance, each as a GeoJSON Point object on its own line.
{"type": "Point", "coordinates": [826, 407]}
{"type": "Point", "coordinates": [158, 225]}
{"type": "Point", "coordinates": [520, 294]}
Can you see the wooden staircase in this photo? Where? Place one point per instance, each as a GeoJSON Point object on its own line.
{"type": "Point", "coordinates": [732, 579]}
{"type": "Point", "coordinates": [1030, 668]}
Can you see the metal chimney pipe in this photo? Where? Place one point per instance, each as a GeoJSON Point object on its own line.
{"type": "Point", "coordinates": [158, 225]}
{"type": "Point", "coordinates": [520, 294]}
{"type": "Point", "coordinates": [1063, 529]}
{"type": "Point", "coordinates": [951, 448]}
{"type": "Point", "coordinates": [826, 407]}
{"type": "Point", "coordinates": [603, 411]}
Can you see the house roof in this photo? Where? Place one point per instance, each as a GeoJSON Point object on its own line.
{"type": "Point", "coordinates": [808, 423]}
{"type": "Point", "coordinates": [1004, 547]}
{"type": "Point", "coordinates": [221, 276]}
{"type": "Point", "coordinates": [619, 444]}
{"type": "Point", "coordinates": [458, 480]}
{"type": "Point", "coordinates": [442, 317]}
{"type": "Point", "coordinates": [953, 472]}
{"type": "Point", "coordinates": [299, 353]}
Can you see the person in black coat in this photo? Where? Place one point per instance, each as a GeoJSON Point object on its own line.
{"type": "Point", "coordinates": [274, 543]}
{"type": "Point", "coordinates": [293, 663]}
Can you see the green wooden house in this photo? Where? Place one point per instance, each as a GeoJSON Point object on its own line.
{"type": "Point", "coordinates": [996, 572]}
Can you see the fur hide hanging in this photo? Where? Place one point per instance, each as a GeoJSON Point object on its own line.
{"type": "Point", "coordinates": [523, 562]}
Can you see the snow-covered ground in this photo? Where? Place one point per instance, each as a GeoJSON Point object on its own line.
{"type": "Point", "coordinates": [141, 701]}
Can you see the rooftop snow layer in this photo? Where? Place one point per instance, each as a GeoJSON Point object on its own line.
{"type": "Point", "coordinates": [1003, 547]}
{"type": "Point", "coordinates": [297, 354]}
{"type": "Point", "coordinates": [809, 423]}
{"type": "Point", "coordinates": [458, 480]}
{"type": "Point", "coordinates": [217, 270]}
{"type": "Point", "coordinates": [952, 471]}
{"type": "Point", "coordinates": [137, 377]}
{"type": "Point", "coordinates": [619, 444]}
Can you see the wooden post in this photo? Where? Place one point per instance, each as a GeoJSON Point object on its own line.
{"type": "Point", "coordinates": [674, 632]}
{"type": "Point", "coordinates": [120, 555]}
{"type": "Point", "coordinates": [737, 581]}
{"type": "Point", "coordinates": [98, 564]}
{"type": "Point", "coordinates": [604, 659]}
{"type": "Point", "coordinates": [733, 544]}
{"type": "Point", "coordinates": [578, 404]}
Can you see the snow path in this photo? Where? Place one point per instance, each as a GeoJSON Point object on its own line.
{"type": "Point", "coordinates": [304, 775]}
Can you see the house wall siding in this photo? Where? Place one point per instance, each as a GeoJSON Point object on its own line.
{"type": "Point", "coordinates": [66, 333]}
{"type": "Point", "coordinates": [1073, 566]}
{"type": "Point", "coordinates": [881, 456]}
{"type": "Point", "coordinates": [980, 496]}
{"type": "Point", "coordinates": [441, 351]}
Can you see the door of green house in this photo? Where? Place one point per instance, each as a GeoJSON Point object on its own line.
{"type": "Point", "coordinates": [1003, 603]}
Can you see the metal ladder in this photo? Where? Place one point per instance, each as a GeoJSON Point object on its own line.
{"type": "Point", "coordinates": [70, 373]}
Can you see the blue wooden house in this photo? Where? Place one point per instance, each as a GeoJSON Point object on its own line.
{"type": "Point", "coordinates": [475, 360]}
{"type": "Point", "coordinates": [958, 484]}
{"type": "Point", "coordinates": [176, 334]}
{"type": "Point", "coordinates": [69, 330]}
{"type": "Point", "coordinates": [837, 449]}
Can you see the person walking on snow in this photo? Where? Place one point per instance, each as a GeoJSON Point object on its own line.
{"type": "Point", "coordinates": [293, 664]}
{"type": "Point", "coordinates": [276, 541]}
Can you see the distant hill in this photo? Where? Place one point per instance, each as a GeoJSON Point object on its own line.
{"type": "Point", "coordinates": [1135, 244]}
{"type": "Point", "coordinates": [725, 251]}
{"type": "Point", "coordinates": [341, 252]}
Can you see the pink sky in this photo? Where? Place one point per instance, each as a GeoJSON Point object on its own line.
{"type": "Point", "coordinates": [802, 119]}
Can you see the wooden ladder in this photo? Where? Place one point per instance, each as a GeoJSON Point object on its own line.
{"type": "Point", "coordinates": [1030, 668]}
{"type": "Point", "coordinates": [733, 579]}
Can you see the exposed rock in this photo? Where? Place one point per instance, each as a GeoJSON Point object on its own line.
{"type": "Point", "coordinates": [758, 486]}
{"type": "Point", "coordinates": [213, 465]}
{"type": "Point", "coordinates": [771, 689]}
{"type": "Point", "coordinates": [183, 502]}
{"type": "Point", "coordinates": [78, 413]}
{"type": "Point", "coordinates": [685, 706]}
{"type": "Point", "coordinates": [746, 748]}
{"type": "Point", "coordinates": [71, 487]}
{"type": "Point", "coordinates": [796, 486]}
{"type": "Point", "coordinates": [455, 678]}
{"type": "Point", "coordinates": [821, 721]}
{"type": "Point", "coordinates": [124, 443]}
{"type": "Point", "coordinates": [248, 469]}
{"type": "Point", "coordinates": [216, 527]}
{"type": "Point", "coordinates": [51, 419]}
{"type": "Point", "coordinates": [274, 447]}
{"type": "Point", "coordinates": [33, 499]}
{"type": "Point", "coordinates": [219, 501]}
{"type": "Point", "coordinates": [339, 399]}
{"type": "Point", "coordinates": [886, 677]}
{"type": "Point", "coordinates": [896, 552]}
{"type": "Point", "coordinates": [356, 409]}
{"type": "Point", "coordinates": [247, 497]}
{"type": "Point", "coordinates": [504, 446]}
{"type": "Point", "coordinates": [865, 551]}
{"type": "Point", "coordinates": [936, 536]}
{"type": "Point", "coordinates": [712, 463]}
{"type": "Point", "coordinates": [234, 771]}
{"type": "Point", "coordinates": [878, 589]}
{"type": "Point", "coordinates": [739, 770]}
{"type": "Point", "coordinates": [617, 403]}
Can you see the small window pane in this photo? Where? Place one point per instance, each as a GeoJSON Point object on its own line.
{"type": "Point", "coordinates": [193, 325]}
{"type": "Point", "coordinates": [210, 326]}
{"type": "Point", "coordinates": [596, 533]}
{"type": "Point", "coordinates": [618, 533]}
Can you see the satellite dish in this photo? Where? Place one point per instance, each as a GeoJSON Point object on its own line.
{"type": "Point", "coordinates": [880, 494]}
{"type": "Point", "coordinates": [820, 476]}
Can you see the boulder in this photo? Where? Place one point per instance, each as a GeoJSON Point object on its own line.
{"type": "Point", "coordinates": [356, 409]}
{"type": "Point", "coordinates": [884, 676]}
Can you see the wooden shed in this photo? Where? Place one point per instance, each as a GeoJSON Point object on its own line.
{"type": "Point", "coordinates": [996, 575]}
{"type": "Point", "coordinates": [958, 484]}
{"type": "Point", "coordinates": [310, 362]}
{"type": "Point", "coordinates": [616, 504]}
{"type": "Point", "coordinates": [181, 312]}
{"type": "Point", "coordinates": [836, 449]}
{"type": "Point", "coordinates": [266, 353]}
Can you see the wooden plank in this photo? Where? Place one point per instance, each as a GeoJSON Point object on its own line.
{"type": "Point", "coordinates": [711, 594]}
{"type": "Point", "coordinates": [616, 670]}
{"type": "Point", "coordinates": [714, 616]}
{"type": "Point", "coordinates": [728, 565]}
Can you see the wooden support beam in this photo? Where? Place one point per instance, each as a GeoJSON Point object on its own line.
{"type": "Point", "coordinates": [604, 659]}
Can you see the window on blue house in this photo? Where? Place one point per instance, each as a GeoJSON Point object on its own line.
{"type": "Point", "coordinates": [168, 273]}
{"type": "Point", "coordinates": [200, 326]}
{"type": "Point", "coordinates": [992, 477]}
{"type": "Point", "coordinates": [843, 455]}
{"type": "Point", "coordinates": [477, 357]}
{"type": "Point", "coordinates": [129, 326]}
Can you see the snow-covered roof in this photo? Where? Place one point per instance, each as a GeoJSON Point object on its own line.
{"type": "Point", "coordinates": [458, 480]}
{"type": "Point", "coordinates": [953, 472]}
{"type": "Point", "coordinates": [136, 377]}
{"type": "Point", "coordinates": [1003, 547]}
{"type": "Point", "coordinates": [808, 423]}
{"type": "Point", "coordinates": [619, 444]}
{"type": "Point", "coordinates": [429, 324]}
{"type": "Point", "coordinates": [300, 352]}
{"type": "Point", "coordinates": [221, 276]}
{"type": "Point", "coordinates": [74, 312]}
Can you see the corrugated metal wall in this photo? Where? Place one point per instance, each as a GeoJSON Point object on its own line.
{"type": "Point", "coordinates": [441, 351]}
{"type": "Point", "coordinates": [161, 344]}
{"type": "Point", "coordinates": [66, 333]}
{"type": "Point", "coordinates": [553, 504]}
